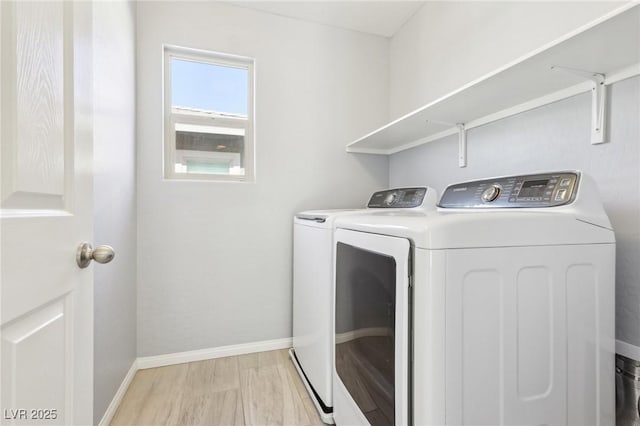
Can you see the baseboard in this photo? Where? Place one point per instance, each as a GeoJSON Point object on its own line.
{"type": "Point", "coordinates": [628, 350]}
{"type": "Point", "coordinates": [117, 398]}
{"type": "Point", "coordinates": [211, 353]}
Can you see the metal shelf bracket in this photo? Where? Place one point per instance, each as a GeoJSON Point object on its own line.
{"type": "Point", "coordinates": [462, 145]}
{"type": "Point", "coordinates": [598, 101]}
{"type": "Point", "coordinates": [462, 140]}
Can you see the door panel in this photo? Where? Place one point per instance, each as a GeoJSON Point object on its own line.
{"type": "Point", "coordinates": [34, 367]}
{"type": "Point", "coordinates": [365, 330]}
{"type": "Point", "coordinates": [40, 58]}
{"type": "Point", "coordinates": [46, 210]}
{"type": "Point", "coordinates": [372, 309]}
{"type": "Point", "coordinates": [35, 105]}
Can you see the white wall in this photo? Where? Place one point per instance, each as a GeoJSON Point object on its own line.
{"type": "Point", "coordinates": [114, 198]}
{"type": "Point", "coordinates": [549, 138]}
{"type": "Point", "coordinates": [450, 43]}
{"type": "Point", "coordinates": [215, 258]}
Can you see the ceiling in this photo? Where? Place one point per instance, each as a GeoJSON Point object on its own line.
{"type": "Point", "coordinates": [382, 18]}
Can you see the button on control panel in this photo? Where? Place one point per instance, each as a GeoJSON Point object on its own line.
{"type": "Point", "coordinates": [539, 190]}
{"type": "Point", "coordinates": [561, 195]}
{"type": "Point", "coordinates": [399, 198]}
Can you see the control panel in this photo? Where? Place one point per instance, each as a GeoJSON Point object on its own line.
{"type": "Point", "coordinates": [539, 190]}
{"type": "Point", "coordinates": [399, 198]}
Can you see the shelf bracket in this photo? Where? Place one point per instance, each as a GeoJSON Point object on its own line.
{"type": "Point", "coordinates": [598, 101]}
{"type": "Point", "coordinates": [462, 145]}
{"type": "Point", "coordinates": [462, 140]}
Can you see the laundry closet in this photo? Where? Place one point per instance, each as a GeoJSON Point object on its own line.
{"type": "Point", "coordinates": [193, 147]}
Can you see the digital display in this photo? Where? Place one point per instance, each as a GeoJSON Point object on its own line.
{"type": "Point", "coordinates": [409, 194]}
{"type": "Point", "coordinates": [533, 188]}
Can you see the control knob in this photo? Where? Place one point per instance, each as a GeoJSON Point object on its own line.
{"type": "Point", "coordinates": [389, 199]}
{"type": "Point", "coordinates": [491, 193]}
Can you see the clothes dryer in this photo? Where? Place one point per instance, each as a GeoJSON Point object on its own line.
{"type": "Point", "coordinates": [498, 309]}
{"type": "Point", "coordinates": [312, 352]}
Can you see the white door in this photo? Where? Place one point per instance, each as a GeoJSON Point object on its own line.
{"type": "Point", "coordinates": [46, 128]}
{"type": "Point", "coordinates": [371, 323]}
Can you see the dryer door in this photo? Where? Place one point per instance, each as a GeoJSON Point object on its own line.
{"type": "Point", "coordinates": [371, 329]}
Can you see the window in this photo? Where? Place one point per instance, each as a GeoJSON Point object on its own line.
{"type": "Point", "coordinates": [208, 116]}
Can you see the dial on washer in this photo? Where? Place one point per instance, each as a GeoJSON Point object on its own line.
{"type": "Point", "coordinates": [491, 193]}
{"type": "Point", "coordinates": [389, 199]}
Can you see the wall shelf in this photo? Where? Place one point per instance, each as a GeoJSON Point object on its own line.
{"type": "Point", "coordinates": [609, 46]}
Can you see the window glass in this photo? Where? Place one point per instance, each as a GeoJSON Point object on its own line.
{"type": "Point", "coordinates": [365, 307]}
{"type": "Point", "coordinates": [208, 116]}
{"type": "Point", "coordinates": [209, 87]}
{"type": "Point", "coordinates": [202, 149]}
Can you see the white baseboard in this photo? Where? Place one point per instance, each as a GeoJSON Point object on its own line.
{"type": "Point", "coordinates": [211, 353]}
{"type": "Point", "coordinates": [117, 398]}
{"type": "Point", "coordinates": [628, 350]}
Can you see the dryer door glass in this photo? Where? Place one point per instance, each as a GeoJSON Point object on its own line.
{"type": "Point", "coordinates": [365, 330]}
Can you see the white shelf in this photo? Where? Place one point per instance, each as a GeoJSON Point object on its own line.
{"type": "Point", "coordinates": [609, 46]}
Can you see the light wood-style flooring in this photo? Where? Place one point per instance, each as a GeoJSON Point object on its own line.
{"type": "Point", "coordinates": [255, 389]}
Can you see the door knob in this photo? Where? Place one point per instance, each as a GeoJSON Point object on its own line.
{"type": "Point", "coordinates": [86, 253]}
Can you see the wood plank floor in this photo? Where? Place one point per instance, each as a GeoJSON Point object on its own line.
{"type": "Point", "coordinates": [256, 389]}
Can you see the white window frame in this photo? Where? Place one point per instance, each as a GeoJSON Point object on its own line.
{"type": "Point", "coordinates": [172, 116]}
{"type": "Point", "coordinates": [231, 159]}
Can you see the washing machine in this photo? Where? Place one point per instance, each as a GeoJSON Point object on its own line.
{"type": "Point", "coordinates": [312, 352]}
{"type": "Point", "coordinates": [496, 309]}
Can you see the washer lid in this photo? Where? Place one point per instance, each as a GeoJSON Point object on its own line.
{"type": "Point", "coordinates": [431, 230]}
{"type": "Point", "coordinates": [421, 198]}
{"type": "Point", "coordinates": [323, 215]}
{"type": "Point", "coordinates": [322, 218]}
{"type": "Point", "coordinates": [526, 210]}
{"type": "Point", "coordinates": [512, 229]}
